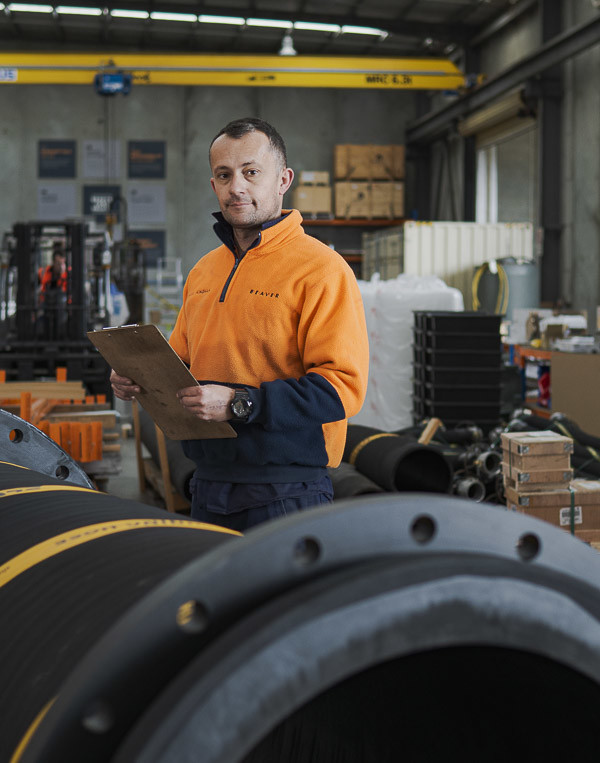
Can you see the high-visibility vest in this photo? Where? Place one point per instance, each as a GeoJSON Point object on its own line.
{"type": "Point", "coordinates": [46, 277]}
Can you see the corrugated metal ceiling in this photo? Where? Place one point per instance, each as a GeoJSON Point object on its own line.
{"type": "Point", "coordinates": [411, 27]}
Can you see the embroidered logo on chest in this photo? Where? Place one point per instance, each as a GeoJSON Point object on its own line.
{"type": "Point", "coordinates": [259, 293]}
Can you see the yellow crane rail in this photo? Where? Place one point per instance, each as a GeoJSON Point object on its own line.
{"type": "Point", "coordinates": [20, 68]}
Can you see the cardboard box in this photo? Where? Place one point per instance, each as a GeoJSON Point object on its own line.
{"type": "Point", "coordinates": [574, 379]}
{"type": "Point", "coordinates": [368, 162]}
{"type": "Point", "coordinates": [387, 200]}
{"type": "Point", "coordinates": [314, 177]}
{"type": "Point", "coordinates": [312, 199]}
{"type": "Point", "coordinates": [369, 200]}
{"type": "Point", "coordinates": [540, 443]}
{"type": "Point", "coordinates": [584, 517]}
{"type": "Point", "coordinates": [352, 200]}
{"type": "Point", "coordinates": [584, 493]}
{"type": "Point", "coordinates": [528, 462]}
{"type": "Point", "coordinates": [533, 479]}
{"type": "Point", "coordinates": [591, 537]}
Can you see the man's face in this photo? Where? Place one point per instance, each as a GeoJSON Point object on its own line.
{"type": "Point", "coordinates": [248, 179]}
{"type": "Point", "coordinates": [59, 264]}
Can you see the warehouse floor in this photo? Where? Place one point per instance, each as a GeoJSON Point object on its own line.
{"type": "Point", "coordinates": [126, 484]}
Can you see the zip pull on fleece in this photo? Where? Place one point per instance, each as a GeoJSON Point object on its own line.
{"type": "Point", "coordinates": [238, 258]}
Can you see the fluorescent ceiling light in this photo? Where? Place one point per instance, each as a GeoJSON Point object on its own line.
{"type": "Point", "coordinates": [364, 30]}
{"type": "Point", "coordinates": [1, 6]}
{"type": "Point", "coordinates": [269, 23]}
{"type": "Point", "coordinates": [30, 8]}
{"type": "Point", "coordinates": [124, 14]}
{"type": "Point", "coordinates": [75, 11]}
{"type": "Point", "coordinates": [161, 16]}
{"type": "Point", "coordinates": [313, 26]}
{"type": "Point", "coordinates": [203, 19]}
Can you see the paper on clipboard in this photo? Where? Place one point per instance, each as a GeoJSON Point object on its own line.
{"type": "Point", "coordinates": [143, 354]}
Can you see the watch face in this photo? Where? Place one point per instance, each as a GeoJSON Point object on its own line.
{"type": "Point", "coordinates": [239, 408]}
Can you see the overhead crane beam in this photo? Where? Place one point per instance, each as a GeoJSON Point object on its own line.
{"type": "Point", "coordinates": [233, 70]}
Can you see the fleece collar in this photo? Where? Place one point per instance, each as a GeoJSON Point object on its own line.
{"type": "Point", "coordinates": [272, 234]}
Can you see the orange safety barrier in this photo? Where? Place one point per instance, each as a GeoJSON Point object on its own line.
{"type": "Point", "coordinates": [25, 409]}
{"type": "Point", "coordinates": [61, 374]}
{"type": "Point", "coordinates": [81, 440]}
{"type": "Point", "coordinates": [76, 429]}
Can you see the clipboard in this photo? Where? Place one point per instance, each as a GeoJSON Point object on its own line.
{"type": "Point", "coordinates": [143, 354]}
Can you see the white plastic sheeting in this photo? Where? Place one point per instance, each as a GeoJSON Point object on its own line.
{"type": "Point", "coordinates": [389, 307]}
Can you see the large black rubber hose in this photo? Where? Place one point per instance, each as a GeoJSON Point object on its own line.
{"type": "Point", "coordinates": [564, 425]}
{"type": "Point", "coordinates": [181, 468]}
{"type": "Point", "coordinates": [456, 436]}
{"type": "Point", "coordinates": [73, 561]}
{"type": "Point", "coordinates": [371, 630]}
{"type": "Point", "coordinates": [347, 482]}
{"type": "Point", "coordinates": [395, 462]}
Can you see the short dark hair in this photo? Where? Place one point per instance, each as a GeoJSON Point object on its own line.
{"type": "Point", "coordinates": [240, 127]}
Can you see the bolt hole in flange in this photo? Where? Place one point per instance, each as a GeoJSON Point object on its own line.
{"type": "Point", "coordinates": [528, 547]}
{"type": "Point", "coordinates": [192, 617]}
{"type": "Point", "coordinates": [15, 435]}
{"type": "Point", "coordinates": [423, 529]}
{"type": "Point", "coordinates": [99, 718]}
{"type": "Point", "coordinates": [307, 551]}
{"type": "Point", "coordinates": [61, 472]}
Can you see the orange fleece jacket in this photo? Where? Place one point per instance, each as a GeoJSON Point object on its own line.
{"type": "Point", "coordinates": [286, 322]}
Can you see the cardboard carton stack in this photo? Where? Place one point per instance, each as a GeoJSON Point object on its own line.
{"type": "Point", "coordinates": [369, 181]}
{"type": "Point", "coordinates": [538, 481]}
{"type": "Point", "coordinates": [312, 196]}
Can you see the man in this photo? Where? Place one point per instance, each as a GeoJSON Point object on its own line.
{"type": "Point", "coordinates": [54, 276]}
{"type": "Point", "coordinates": [273, 327]}
{"type": "Point", "coordinates": [52, 319]}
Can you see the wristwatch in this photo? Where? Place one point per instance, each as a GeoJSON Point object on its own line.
{"type": "Point", "coordinates": [241, 405]}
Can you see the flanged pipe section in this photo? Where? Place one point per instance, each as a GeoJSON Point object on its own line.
{"type": "Point", "coordinates": [307, 640]}
{"type": "Point", "coordinates": [24, 444]}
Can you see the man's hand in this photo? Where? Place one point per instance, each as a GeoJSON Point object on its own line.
{"type": "Point", "coordinates": [124, 388]}
{"type": "Point", "coordinates": [209, 402]}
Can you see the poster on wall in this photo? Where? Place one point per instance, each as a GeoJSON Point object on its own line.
{"type": "Point", "coordinates": [57, 158]}
{"type": "Point", "coordinates": [56, 201]}
{"type": "Point", "coordinates": [146, 203]}
{"type": "Point", "coordinates": [146, 159]}
{"type": "Point", "coordinates": [98, 201]}
{"type": "Point", "coordinates": [152, 243]}
{"type": "Point", "coordinates": [101, 158]}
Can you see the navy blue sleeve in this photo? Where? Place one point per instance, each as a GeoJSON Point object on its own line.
{"type": "Point", "coordinates": [295, 403]}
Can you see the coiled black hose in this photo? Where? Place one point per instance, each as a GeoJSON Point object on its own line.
{"type": "Point", "coordinates": [395, 462]}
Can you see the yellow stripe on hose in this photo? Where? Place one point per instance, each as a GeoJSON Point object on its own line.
{"type": "Point", "coordinates": [18, 753]}
{"type": "Point", "coordinates": [8, 463]}
{"type": "Point", "coordinates": [365, 442]}
{"type": "Point", "coordinates": [42, 489]}
{"type": "Point", "coordinates": [76, 537]}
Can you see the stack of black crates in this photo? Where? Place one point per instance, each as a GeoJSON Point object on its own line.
{"type": "Point", "coordinates": [457, 368]}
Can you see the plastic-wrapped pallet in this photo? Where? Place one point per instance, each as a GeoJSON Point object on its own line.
{"type": "Point", "coordinates": [389, 307]}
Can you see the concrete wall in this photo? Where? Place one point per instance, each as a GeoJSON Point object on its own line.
{"type": "Point", "coordinates": [311, 122]}
{"type": "Point", "coordinates": [580, 242]}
